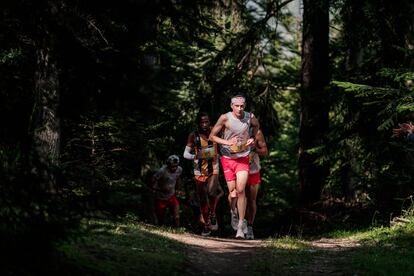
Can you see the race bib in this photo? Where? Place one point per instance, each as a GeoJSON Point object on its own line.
{"type": "Point", "coordinates": [239, 147]}
{"type": "Point", "coordinates": [208, 153]}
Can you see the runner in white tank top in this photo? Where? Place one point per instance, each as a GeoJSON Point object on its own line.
{"type": "Point", "coordinates": [238, 130]}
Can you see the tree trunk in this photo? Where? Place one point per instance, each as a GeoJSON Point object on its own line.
{"type": "Point", "coordinates": [45, 124]}
{"type": "Point", "coordinates": [353, 12]}
{"type": "Point", "coordinates": [314, 103]}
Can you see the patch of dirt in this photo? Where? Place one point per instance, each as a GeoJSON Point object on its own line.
{"type": "Point", "coordinates": [228, 256]}
{"type": "Point", "coordinates": [334, 244]}
{"type": "Point", "coordinates": [328, 257]}
{"type": "Point", "coordinates": [218, 256]}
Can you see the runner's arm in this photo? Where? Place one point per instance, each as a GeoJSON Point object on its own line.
{"type": "Point", "coordinates": [254, 126]}
{"type": "Point", "coordinates": [221, 123]}
{"type": "Point", "coordinates": [187, 151]}
{"type": "Point", "coordinates": [261, 146]}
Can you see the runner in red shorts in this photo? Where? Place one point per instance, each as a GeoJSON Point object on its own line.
{"type": "Point", "coordinates": [203, 152]}
{"type": "Point", "coordinates": [164, 183]}
{"type": "Point", "coordinates": [252, 187]}
{"type": "Point", "coordinates": [234, 129]}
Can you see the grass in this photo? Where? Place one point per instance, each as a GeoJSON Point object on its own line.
{"type": "Point", "coordinates": [378, 251]}
{"type": "Point", "coordinates": [385, 250]}
{"type": "Point", "coordinates": [127, 247]}
{"type": "Point", "coordinates": [290, 256]}
{"type": "Point", "coordinates": [123, 248]}
{"type": "Point", "coordinates": [282, 256]}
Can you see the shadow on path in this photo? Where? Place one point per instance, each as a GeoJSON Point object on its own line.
{"type": "Point", "coordinates": [218, 256]}
{"type": "Point", "coordinates": [227, 256]}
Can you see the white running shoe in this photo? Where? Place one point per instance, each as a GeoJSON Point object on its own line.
{"type": "Point", "coordinates": [250, 235]}
{"type": "Point", "coordinates": [234, 217]}
{"type": "Point", "coordinates": [240, 233]}
{"type": "Point", "coordinates": [244, 226]}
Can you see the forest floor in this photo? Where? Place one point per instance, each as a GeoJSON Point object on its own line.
{"type": "Point", "coordinates": [229, 256]}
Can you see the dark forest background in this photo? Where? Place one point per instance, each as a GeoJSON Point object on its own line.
{"type": "Point", "coordinates": [95, 95]}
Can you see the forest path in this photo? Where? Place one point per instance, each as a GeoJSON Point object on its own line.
{"type": "Point", "coordinates": [229, 256]}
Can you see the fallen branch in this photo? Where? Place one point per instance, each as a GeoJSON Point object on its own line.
{"type": "Point", "coordinates": [398, 220]}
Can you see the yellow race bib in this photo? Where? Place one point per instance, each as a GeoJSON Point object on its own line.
{"type": "Point", "coordinates": [208, 153]}
{"type": "Point", "coordinates": [239, 147]}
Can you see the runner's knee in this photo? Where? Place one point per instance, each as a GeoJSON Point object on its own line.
{"type": "Point", "coordinates": [240, 192]}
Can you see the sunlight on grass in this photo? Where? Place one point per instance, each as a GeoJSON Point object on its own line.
{"type": "Point", "coordinates": [284, 256]}
{"type": "Point", "coordinates": [289, 243]}
{"type": "Point", "coordinates": [337, 234]}
{"type": "Point", "coordinates": [386, 250]}
{"type": "Point", "coordinates": [377, 251]}
{"type": "Point", "coordinates": [124, 248]}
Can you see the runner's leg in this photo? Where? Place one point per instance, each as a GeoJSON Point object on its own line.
{"type": "Point", "coordinates": [251, 194]}
{"type": "Point", "coordinates": [232, 197]}
{"type": "Point", "coordinates": [202, 195]}
{"type": "Point", "coordinates": [176, 212]}
{"type": "Point", "coordinates": [160, 206]}
{"type": "Point", "coordinates": [241, 195]}
{"type": "Point", "coordinates": [212, 187]}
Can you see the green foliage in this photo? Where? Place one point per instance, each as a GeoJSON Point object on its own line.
{"type": "Point", "coordinates": [31, 217]}
{"type": "Point", "coordinates": [372, 70]}
{"type": "Point", "coordinates": [10, 56]}
{"type": "Point", "coordinates": [279, 188]}
{"type": "Point", "coordinates": [364, 155]}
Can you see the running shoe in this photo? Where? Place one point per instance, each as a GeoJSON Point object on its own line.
{"type": "Point", "coordinates": [244, 226]}
{"type": "Point", "coordinates": [240, 233]}
{"type": "Point", "coordinates": [206, 232]}
{"type": "Point", "coordinates": [234, 218]}
{"type": "Point", "coordinates": [213, 223]}
{"type": "Point", "coordinates": [250, 235]}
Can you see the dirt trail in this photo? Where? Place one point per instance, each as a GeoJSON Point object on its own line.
{"type": "Point", "coordinates": [218, 256]}
{"type": "Point", "coordinates": [227, 256]}
{"type": "Point", "coordinates": [330, 259]}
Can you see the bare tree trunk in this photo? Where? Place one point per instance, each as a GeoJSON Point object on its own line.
{"type": "Point", "coordinates": [314, 102]}
{"type": "Point", "coordinates": [45, 122]}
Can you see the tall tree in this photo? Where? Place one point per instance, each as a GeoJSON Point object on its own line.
{"type": "Point", "coordinates": [314, 105]}
{"type": "Point", "coordinates": [45, 119]}
{"type": "Point", "coordinates": [374, 69]}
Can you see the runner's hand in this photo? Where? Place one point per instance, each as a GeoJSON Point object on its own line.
{"type": "Point", "coordinates": [250, 141]}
